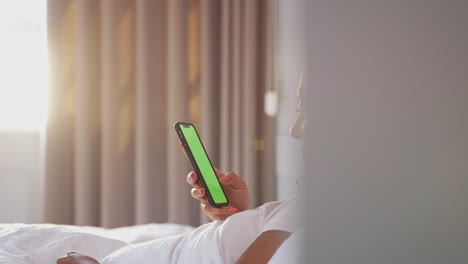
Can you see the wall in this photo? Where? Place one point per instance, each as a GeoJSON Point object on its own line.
{"type": "Point", "coordinates": [290, 64]}
{"type": "Point", "coordinates": [20, 177]}
{"type": "Point", "coordinates": [388, 93]}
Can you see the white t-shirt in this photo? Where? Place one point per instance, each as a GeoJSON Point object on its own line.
{"type": "Point", "coordinates": [215, 242]}
{"type": "Point", "coordinates": [240, 230]}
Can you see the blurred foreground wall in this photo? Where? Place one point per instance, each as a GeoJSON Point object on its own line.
{"type": "Point", "coordinates": [388, 132]}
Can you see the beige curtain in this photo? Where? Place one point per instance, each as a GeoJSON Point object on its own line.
{"type": "Point", "coordinates": [121, 73]}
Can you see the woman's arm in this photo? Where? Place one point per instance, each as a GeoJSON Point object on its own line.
{"type": "Point", "coordinates": [263, 248]}
{"type": "Point", "coordinates": [76, 258]}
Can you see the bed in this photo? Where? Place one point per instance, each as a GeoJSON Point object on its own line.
{"type": "Point", "coordinates": [20, 243]}
{"type": "Point", "coordinates": [45, 243]}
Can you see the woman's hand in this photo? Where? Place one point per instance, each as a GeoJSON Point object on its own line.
{"type": "Point", "coordinates": [76, 258]}
{"type": "Point", "coordinates": [235, 189]}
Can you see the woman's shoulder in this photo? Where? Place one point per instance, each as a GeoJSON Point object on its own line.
{"type": "Point", "coordinates": [288, 201]}
{"type": "Point", "coordinates": [280, 215]}
{"type": "Point", "coordinates": [264, 212]}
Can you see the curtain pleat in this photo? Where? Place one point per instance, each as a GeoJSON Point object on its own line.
{"type": "Point", "coordinates": [118, 113]}
{"type": "Point", "coordinates": [181, 209]}
{"type": "Point", "coordinates": [237, 105]}
{"type": "Point", "coordinates": [240, 91]}
{"type": "Point", "coordinates": [151, 113]}
{"type": "Point", "coordinates": [226, 79]}
{"type": "Point", "coordinates": [249, 84]}
{"type": "Point", "coordinates": [59, 180]}
{"type": "Point", "coordinates": [122, 72]}
{"type": "Point", "coordinates": [265, 138]}
{"type": "Point", "coordinates": [210, 79]}
{"type": "Point", "coordinates": [87, 180]}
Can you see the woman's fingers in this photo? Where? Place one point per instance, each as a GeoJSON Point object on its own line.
{"type": "Point", "coordinates": [192, 179]}
{"type": "Point", "coordinates": [198, 193]}
{"type": "Point", "coordinates": [222, 211]}
{"type": "Point", "coordinates": [219, 173]}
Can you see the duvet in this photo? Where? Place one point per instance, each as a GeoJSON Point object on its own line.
{"type": "Point", "coordinates": [44, 244]}
{"type": "Point", "coordinates": [215, 242]}
{"type": "Point", "coordinates": [41, 244]}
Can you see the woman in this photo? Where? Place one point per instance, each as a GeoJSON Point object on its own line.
{"type": "Point", "coordinates": [236, 234]}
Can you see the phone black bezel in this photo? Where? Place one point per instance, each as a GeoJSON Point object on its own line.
{"type": "Point", "coordinates": [201, 180]}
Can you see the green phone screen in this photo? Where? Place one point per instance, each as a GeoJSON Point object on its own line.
{"type": "Point", "coordinates": [203, 164]}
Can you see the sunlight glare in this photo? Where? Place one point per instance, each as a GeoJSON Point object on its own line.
{"type": "Point", "coordinates": [23, 65]}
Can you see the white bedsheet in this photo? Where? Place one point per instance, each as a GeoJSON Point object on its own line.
{"type": "Point", "coordinates": [43, 244]}
{"type": "Point", "coordinates": [215, 242]}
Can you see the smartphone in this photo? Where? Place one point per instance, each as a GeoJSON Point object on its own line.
{"type": "Point", "coordinates": [201, 164]}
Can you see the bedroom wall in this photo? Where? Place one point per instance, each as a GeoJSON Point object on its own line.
{"type": "Point", "coordinates": [290, 65]}
{"type": "Point", "coordinates": [20, 177]}
{"type": "Point", "coordinates": [389, 151]}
